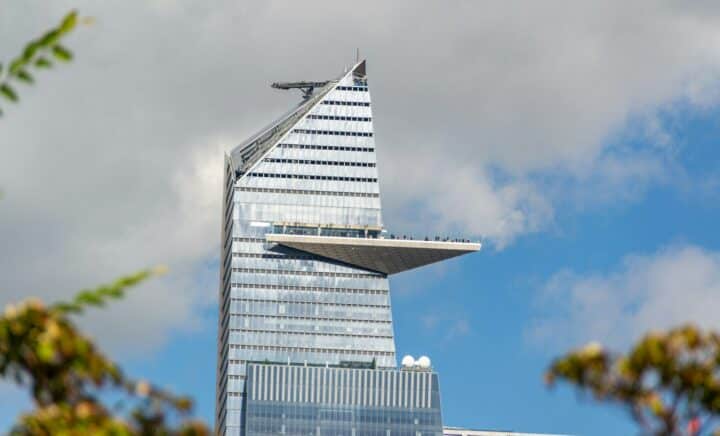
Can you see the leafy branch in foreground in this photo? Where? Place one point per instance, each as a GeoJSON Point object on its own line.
{"type": "Point", "coordinates": [99, 297]}
{"type": "Point", "coordinates": [668, 381]}
{"type": "Point", "coordinates": [40, 53]}
{"type": "Point", "coordinates": [42, 349]}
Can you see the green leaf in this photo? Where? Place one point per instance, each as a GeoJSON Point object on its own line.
{"type": "Point", "coordinates": [45, 351]}
{"type": "Point", "coordinates": [89, 298]}
{"type": "Point", "coordinates": [7, 92]}
{"type": "Point", "coordinates": [30, 51]}
{"type": "Point", "coordinates": [68, 307]}
{"type": "Point", "coordinates": [98, 296]}
{"type": "Point", "coordinates": [62, 53]}
{"type": "Point", "coordinates": [69, 22]}
{"type": "Point", "coordinates": [49, 38]}
{"type": "Point", "coordinates": [24, 76]}
{"type": "Point", "coordinates": [43, 62]}
{"type": "Point", "coordinates": [16, 65]}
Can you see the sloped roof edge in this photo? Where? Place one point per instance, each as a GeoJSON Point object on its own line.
{"type": "Point", "coordinates": [245, 155]}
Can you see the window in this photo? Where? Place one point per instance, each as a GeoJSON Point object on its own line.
{"type": "Point", "coordinates": [352, 88]}
{"type": "Point", "coordinates": [331, 132]}
{"type": "Point", "coordinates": [320, 162]}
{"type": "Point", "coordinates": [346, 103]}
{"type": "Point", "coordinates": [338, 118]}
{"type": "Point", "coordinates": [326, 147]}
{"type": "Point", "coordinates": [314, 177]}
{"type": "Point", "coordinates": [309, 192]}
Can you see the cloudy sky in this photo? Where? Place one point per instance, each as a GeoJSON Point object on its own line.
{"type": "Point", "coordinates": [576, 139]}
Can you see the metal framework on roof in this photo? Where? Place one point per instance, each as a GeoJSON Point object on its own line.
{"type": "Point", "coordinates": [306, 87]}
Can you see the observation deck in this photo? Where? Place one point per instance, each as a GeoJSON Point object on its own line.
{"type": "Point", "coordinates": [388, 256]}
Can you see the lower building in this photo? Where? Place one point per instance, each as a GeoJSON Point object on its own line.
{"type": "Point", "coordinates": [350, 399]}
{"type": "Point", "coordinates": [458, 431]}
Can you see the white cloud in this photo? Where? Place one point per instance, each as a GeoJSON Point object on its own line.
{"type": "Point", "coordinates": [675, 285]}
{"type": "Point", "coordinates": [112, 163]}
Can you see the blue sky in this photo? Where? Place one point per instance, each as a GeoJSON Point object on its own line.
{"type": "Point", "coordinates": [579, 142]}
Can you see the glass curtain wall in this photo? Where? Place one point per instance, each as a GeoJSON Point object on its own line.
{"type": "Point", "coordinates": [279, 304]}
{"type": "Point", "coordinates": [325, 401]}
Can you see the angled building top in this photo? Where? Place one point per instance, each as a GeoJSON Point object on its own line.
{"type": "Point", "coordinates": [388, 256]}
{"type": "Point", "coordinates": [245, 155]}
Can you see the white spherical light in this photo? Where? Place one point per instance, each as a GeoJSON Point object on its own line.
{"type": "Point", "coordinates": [423, 362]}
{"type": "Point", "coordinates": [408, 361]}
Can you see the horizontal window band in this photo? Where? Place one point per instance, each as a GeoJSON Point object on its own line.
{"type": "Point", "coordinates": [326, 147]}
{"type": "Point", "coordinates": [345, 103]}
{"type": "Point", "coordinates": [312, 288]}
{"type": "Point", "coordinates": [296, 333]}
{"type": "Point", "coordinates": [352, 88]}
{"type": "Point", "coordinates": [311, 350]}
{"type": "Point", "coordinates": [340, 319]}
{"type": "Point", "coordinates": [308, 273]}
{"type": "Point", "coordinates": [236, 239]}
{"type": "Point", "coordinates": [311, 303]}
{"type": "Point", "coordinates": [312, 318]}
{"type": "Point", "coordinates": [276, 256]}
{"type": "Point", "coordinates": [310, 192]}
{"type": "Point", "coordinates": [314, 177]}
{"type": "Point", "coordinates": [338, 118]}
{"type": "Point", "coordinates": [320, 162]}
{"type": "Point", "coordinates": [332, 132]}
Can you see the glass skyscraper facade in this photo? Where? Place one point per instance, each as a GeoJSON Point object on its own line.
{"type": "Point", "coordinates": [307, 184]}
{"type": "Point", "coordinates": [341, 401]}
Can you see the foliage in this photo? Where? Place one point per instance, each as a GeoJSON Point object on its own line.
{"type": "Point", "coordinates": [669, 381]}
{"type": "Point", "coordinates": [40, 53]}
{"type": "Point", "coordinates": [41, 348]}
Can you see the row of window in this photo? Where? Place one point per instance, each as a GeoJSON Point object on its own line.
{"type": "Point", "coordinates": [320, 162]}
{"type": "Point", "coordinates": [352, 88]}
{"type": "Point", "coordinates": [332, 132]}
{"type": "Point", "coordinates": [312, 288]}
{"type": "Point", "coordinates": [308, 273]}
{"type": "Point", "coordinates": [311, 350]}
{"type": "Point", "coordinates": [311, 192]}
{"type": "Point", "coordinates": [248, 239]}
{"type": "Point", "coordinates": [313, 334]}
{"type": "Point", "coordinates": [338, 118]}
{"type": "Point", "coordinates": [326, 147]}
{"type": "Point", "coordinates": [276, 256]}
{"type": "Point", "coordinates": [314, 177]}
{"type": "Point", "coordinates": [346, 103]}
{"type": "Point", "coordinates": [310, 303]}
{"type": "Point", "coordinates": [311, 318]}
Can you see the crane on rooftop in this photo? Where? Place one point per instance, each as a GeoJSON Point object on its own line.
{"type": "Point", "coordinates": [306, 87]}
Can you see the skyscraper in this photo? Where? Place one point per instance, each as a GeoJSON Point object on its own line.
{"type": "Point", "coordinates": [305, 257]}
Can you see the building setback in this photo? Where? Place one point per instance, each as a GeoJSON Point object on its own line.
{"type": "Point", "coordinates": [305, 257]}
{"type": "Point", "coordinates": [341, 400]}
{"type": "Point", "coordinates": [459, 431]}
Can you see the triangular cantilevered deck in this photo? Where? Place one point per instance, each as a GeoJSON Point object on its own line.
{"type": "Point", "coordinates": [388, 256]}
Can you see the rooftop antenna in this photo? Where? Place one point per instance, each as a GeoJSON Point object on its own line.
{"type": "Point", "coordinates": [357, 55]}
